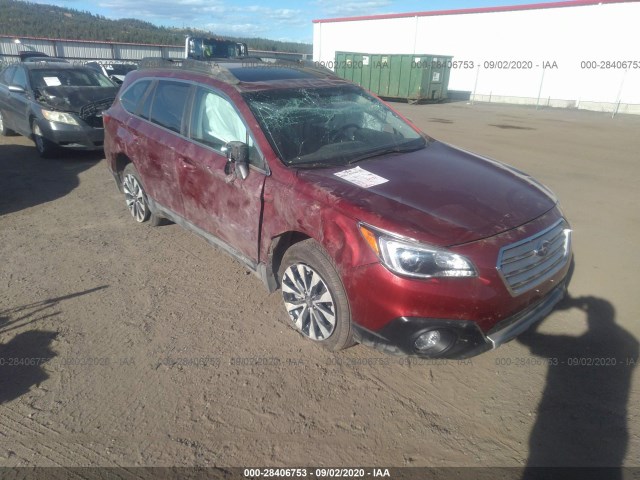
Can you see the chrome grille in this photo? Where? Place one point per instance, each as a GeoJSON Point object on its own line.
{"type": "Point", "coordinates": [526, 264]}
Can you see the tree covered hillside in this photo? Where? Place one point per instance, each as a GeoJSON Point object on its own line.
{"type": "Point", "coordinates": [28, 19]}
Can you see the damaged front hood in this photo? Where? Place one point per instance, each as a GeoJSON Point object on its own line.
{"type": "Point", "coordinates": [438, 194]}
{"type": "Point", "coordinates": [73, 99]}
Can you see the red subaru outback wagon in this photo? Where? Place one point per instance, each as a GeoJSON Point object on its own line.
{"type": "Point", "coordinates": [373, 231]}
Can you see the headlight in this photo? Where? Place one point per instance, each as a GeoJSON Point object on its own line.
{"type": "Point", "coordinates": [413, 259]}
{"type": "Point", "coordinates": [59, 117]}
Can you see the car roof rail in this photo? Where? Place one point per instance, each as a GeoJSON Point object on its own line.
{"type": "Point", "coordinates": [221, 72]}
{"type": "Point", "coordinates": [210, 68]}
{"type": "Point", "coordinates": [206, 67]}
{"type": "Point", "coordinates": [158, 62]}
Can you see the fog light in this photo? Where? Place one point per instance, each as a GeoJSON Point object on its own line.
{"type": "Point", "coordinates": [428, 340]}
{"type": "Point", "coordinates": [434, 342]}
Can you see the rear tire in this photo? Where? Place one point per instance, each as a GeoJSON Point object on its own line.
{"type": "Point", "coordinates": [136, 197]}
{"type": "Point", "coordinates": [314, 297]}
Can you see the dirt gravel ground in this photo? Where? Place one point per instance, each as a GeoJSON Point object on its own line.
{"type": "Point", "coordinates": [159, 350]}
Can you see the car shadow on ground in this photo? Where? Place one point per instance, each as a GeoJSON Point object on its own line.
{"type": "Point", "coordinates": [22, 358]}
{"type": "Point", "coordinates": [27, 180]}
{"type": "Point", "coordinates": [582, 416]}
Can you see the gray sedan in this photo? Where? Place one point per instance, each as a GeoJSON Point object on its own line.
{"type": "Point", "coordinates": [56, 104]}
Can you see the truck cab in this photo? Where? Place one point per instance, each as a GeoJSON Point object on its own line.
{"type": "Point", "coordinates": [201, 48]}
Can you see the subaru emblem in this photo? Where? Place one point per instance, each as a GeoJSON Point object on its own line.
{"type": "Point", "coordinates": [542, 249]}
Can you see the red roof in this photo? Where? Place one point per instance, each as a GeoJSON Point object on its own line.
{"type": "Point", "coordinates": [506, 8]}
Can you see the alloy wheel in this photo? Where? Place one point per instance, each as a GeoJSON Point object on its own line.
{"type": "Point", "coordinates": [134, 196]}
{"type": "Point", "coordinates": [308, 301]}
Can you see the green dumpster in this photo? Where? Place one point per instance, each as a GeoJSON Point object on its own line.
{"type": "Point", "coordinates": [411, 77]}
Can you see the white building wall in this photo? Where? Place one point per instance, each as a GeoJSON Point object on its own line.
{"type": "Point", "coordinates": [567, 36]}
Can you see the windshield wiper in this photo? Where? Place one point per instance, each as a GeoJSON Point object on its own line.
{"type": "Point", "coordinates": [339, 161]}
{"type": "Point", "coordinates": [313, 164]}
{"type": "Point", "coordinates": [385, 151]}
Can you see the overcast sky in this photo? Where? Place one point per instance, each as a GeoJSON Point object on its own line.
{"type": "Point", "coordinates": [275, 19]}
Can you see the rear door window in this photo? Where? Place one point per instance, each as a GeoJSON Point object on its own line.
{"type": "Point", "coordinates": [20, 78]}
{"type": "Point", "coordinates": [169, 104]}
{"type": "Point", "coordinates": [145, 110]}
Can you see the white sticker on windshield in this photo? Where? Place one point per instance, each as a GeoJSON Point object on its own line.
{"type": "Point", "coordinates": [52, 81]}
{"type": "Point", "coordinates": [361, 177]}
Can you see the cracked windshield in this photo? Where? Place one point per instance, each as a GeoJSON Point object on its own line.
{"type": "Point", "coordinates": [330, 126]}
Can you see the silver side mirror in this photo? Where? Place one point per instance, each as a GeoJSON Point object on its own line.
{"type": "Point", "coordinates": [16, 89]}
{"type": "Point", "coordinates": [237, 159]}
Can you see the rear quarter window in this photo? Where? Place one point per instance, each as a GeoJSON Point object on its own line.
{"type": "Point", "coordinates": [133, 96]}
{"type": "Point", "coordinates": [7, 75]}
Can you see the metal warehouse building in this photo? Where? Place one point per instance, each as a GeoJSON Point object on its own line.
{"type": "Point", "coordinates": [577, 54]}
{"type": "Point", "coordinates": [80, 51]}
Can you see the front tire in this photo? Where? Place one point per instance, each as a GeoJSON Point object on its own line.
{"type": "Point", "coordinates": [314, 297]}
{"type": "Point", "coordinates": [4, 131]}
{"type": "Point", "coordinates": [45, 147]}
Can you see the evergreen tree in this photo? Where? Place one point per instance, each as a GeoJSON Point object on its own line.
{"type": "Point", "coordinates": [29, 19]}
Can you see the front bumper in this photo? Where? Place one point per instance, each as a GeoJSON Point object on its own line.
{"type": "Point", "coordinates": [475, 314]}
{"type": "Point", "coordinates": [72, 136]}
{"type": "Point", "coordinates": [398, 336]}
